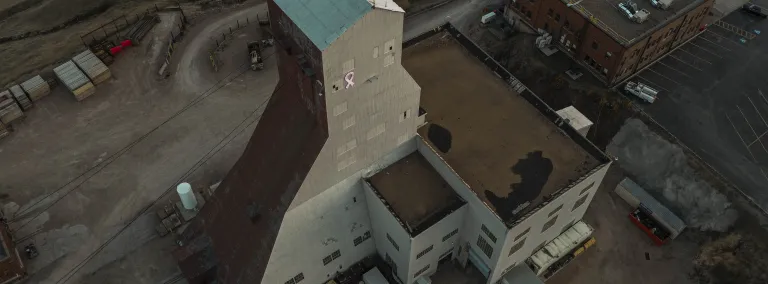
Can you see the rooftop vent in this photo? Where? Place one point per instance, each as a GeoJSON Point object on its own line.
{"type": "Point", "coordinates": [634, 14]}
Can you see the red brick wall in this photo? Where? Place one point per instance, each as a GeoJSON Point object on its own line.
{"type": "Point", "coordinates": [553, 16]}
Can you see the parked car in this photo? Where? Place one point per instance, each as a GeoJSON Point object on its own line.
{"type": "Point", "coordinates": [754, 10]}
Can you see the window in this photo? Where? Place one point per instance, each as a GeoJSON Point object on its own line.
{"type": "Point", "coordinates": [389, 60]}
{"type": "Point", "coordinates": [594, 45]}
{"type": "Point", "coordinates": [557, 18]}
{"type": "Point", "coordinates": [375, 131]}
{"type": "Point", "coordinates": [346, 147]}
{"type": "Point", "coordinates": [346, 163]}
{"type": "Point", "coordinates": [546, 27]}
{"type": "Point", "coordinates": [523, 234]}
{"type": "Point", "coordinates": [451, 234]}
{"type": "Point", "coordinates": [555, 210]}
{"type": "Point", "coordinates": [422, 270]}
{"type": "Point", "coordinates": [484, 246]}
{"type": "Point", "coordinates": [389, 46]}
{"type": "Point", "coordinates": [394, 244]}
{"type": "Point", "coordinates": [528, 14]}
{"type": "Point", "coordinates": [549, 224]}
{"type": "Point", "coordinates": [347, 123]}
{"type": "Point", "coordinates": [587, 58]}
{"type": "Point", "coordinates": [587, 188]}
{"type": "Point", "coordinates": [580, 202]}
{"type": "Point", "coordinates": [488, 232]}
{"type": "Point", "coordinates": [516, 247]}
{"type": "Point", "coordinates": [391, 263]}
{"type": "Point", "coordinates": [296, 279]}
{"type": "Point", "coordinates": [567, 24]}
{"type": "Point", "coordinates": [425, 251]}
{"type": "Point", "coordinates": [339, 109]}
{"type": "Point", "coordinates": [405, 115]}
{"type": "Point", "coordinates": [358, 241]}
{"type": "Point", "coordinates": [328, 259]}
{"type": "Point", "coordinates": [549, 12]}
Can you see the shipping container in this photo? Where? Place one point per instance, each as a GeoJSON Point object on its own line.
{"type": "Point", "coordinates": [75, 80]}
{"type": "Point", "coordinates": [637, 197]}
{"type": "Point", "coordinates": [96, 70]}
{"type": "Point", "coordinates": [36, 88]}
{"type": "Point", "coordinates": [21, 97]}
{"type": "Point", "coordinates": [9, 110]}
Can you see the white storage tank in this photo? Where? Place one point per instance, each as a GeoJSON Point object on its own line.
{"type": "Point", "coordinates": [21, 97]}
{"type": "Point", "coordinates": [36, 88]}
{"type": "Point", "coordinates": [187, 196]}
{"type": "Point", "coordinates": [75, 80]}
{"type": "Point", "coordinates": [96, 70]}
{"type": "Point", "coordinates": [9, 110]}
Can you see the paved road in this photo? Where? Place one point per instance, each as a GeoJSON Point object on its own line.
{"type": "Point", "coordinates": [458, 12]}
{"type": "Point", "coordinates": [715, 100]}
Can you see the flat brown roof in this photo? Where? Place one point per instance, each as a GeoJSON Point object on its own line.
{"type": "Point", "coordinates": [508, 153]}
{"type": "Point", "coordinates": [415, 192]}
{"type": "Point", "coordinates": [610, 19]}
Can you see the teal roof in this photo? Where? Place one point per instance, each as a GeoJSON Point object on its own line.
{"type": "Point", "coordinates": [323, 21]}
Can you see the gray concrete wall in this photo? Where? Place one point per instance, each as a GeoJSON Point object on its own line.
{"type": "Point", "coordinates": [377, 113]}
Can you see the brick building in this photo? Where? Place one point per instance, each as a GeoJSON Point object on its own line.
{"type": "Point", "coordinates": [601, 36]}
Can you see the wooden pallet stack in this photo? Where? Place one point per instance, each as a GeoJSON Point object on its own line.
{"type": "Point", "coordinates": [9, 109]}
{"type": "Point", "coordinates": [92, 66]}
{"type": "Point", "coordinates": [36, 88]}
{"type": "Point", "coordinates": [75, 80]}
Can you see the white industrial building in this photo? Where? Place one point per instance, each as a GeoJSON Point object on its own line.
{"type": "Point", "coordinates": [421, 169]}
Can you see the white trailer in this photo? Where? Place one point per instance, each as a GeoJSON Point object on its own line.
{"type": "Point", "coordinates": [561, 246]}
{"type": "Point", "coordinates": [642, 91]}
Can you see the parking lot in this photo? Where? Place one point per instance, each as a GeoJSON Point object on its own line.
{"type": "Point", "coordinates": [714, 98]}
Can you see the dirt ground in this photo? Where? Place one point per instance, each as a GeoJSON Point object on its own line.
{"type": "Point", "coordinates": [43, 33]}
{"type": "Point", "coordinates": [61, 139]}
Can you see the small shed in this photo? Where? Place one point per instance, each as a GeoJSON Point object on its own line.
{"type": "Point", "coordinates": [9, 110]}
{"type": "Point", "coordinates": [75, 80]}
{"type": "Point", "coordinates": [36, 88]}
{"type": "Point", "coordinates": [576, 119]}
{"type": "Point", "coordinates": [96, 70]}
{"type": "Point", "coordinates": [636, 196]}
{"type": "Point", "coordinates": [21, 97]}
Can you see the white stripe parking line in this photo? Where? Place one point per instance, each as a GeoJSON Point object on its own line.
{"type": "Point", "coordinates": [756, 110]}
{"type": "Point", "coordinates": [694, 55]}
{"type": "Point", "coordinates": [753, 130]}
{"type": "Point", "coordinates": [683, 61]}
{"type": "Point", "coordinates": [670, 67]}
{"type": "Point", "coordinates": [665, 77]}
{"type": "Point", "coordinates": [707, 50]}
{"type": "Point", "coordinates": [741, 138]}
{"type": "Point", "coordinates": [723, 47]}
{"type": "Point", "coordinates": [725, 38]}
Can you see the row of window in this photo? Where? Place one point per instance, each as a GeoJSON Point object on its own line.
{"type": "Point", "coordinates": [422, 270]}
{"type": "Point", "coordinates": [484, 246]}
{"type": "Point", "coordinates": [425, 251]}
{"type": "Point", "coordinates": [488, 233]}
{"type": "Point", "coordinates": [359, 240]}
{"type": "Point", "coordinates": [451, 234]}
{"type": "Point", "coordinates": [333, 256]}
{"type": "Point", "coordinates": [296, 279]}
{"type": "Point", "coordinates": [552, 221]}
{"type": "Point", "coordinates": [392, 241]}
